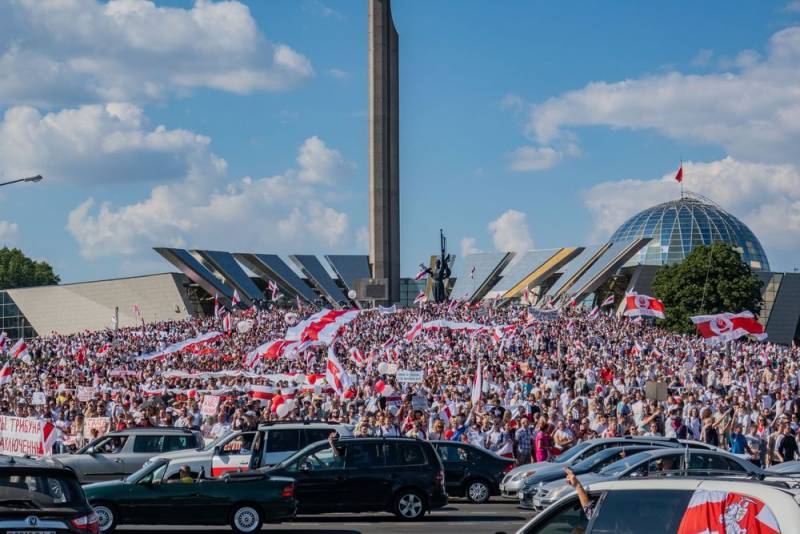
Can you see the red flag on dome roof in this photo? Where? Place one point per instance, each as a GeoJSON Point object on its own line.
{"type": "Point", "coordinates": [679, 176]}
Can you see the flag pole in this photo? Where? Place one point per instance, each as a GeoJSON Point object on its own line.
{"type": "Point", "coordinates": [681, 168]}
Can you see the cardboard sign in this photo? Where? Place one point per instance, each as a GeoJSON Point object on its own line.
{"type": "Point", "coordinates": [655, 391]}
{"type": "Point", "coordinates": [85, 393]}
{"type": "Point", "coordinates": [210, 405]}
{"type": "Point", "coordinates": [21, 435]}
{"type": "Point", "coordinates": [38, 398]}
{"type": "Point", "coordinates": [419, 403]}
{"type": "Point", "coordinates": [409, 377]}
{"type": "Point", "coordinates": [101, 424]}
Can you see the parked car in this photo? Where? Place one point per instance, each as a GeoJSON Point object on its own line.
{"type": "Point", "coordinates": [661, 505]}
{"type": "Point", "coordinates": [400, 475]}
{"type": "Point", "coordinates": [41, 496]}
{"type": "Point", "coordinates": [156, 495]}
{"type": "Point", "coordinates": [592, 464]}
{"type": "Point", "coordinates": [120, 453]}
{"type": "Point", "coordinates": [657, 462]}
{"type": "Point", "coordinates": [785, 468]}
{"type": "Point", "coordinates": [275, 442]}
{"type": "Point", "coordinates": [470, 471]}
{"type": "Point", "coordinates": [513, 481]}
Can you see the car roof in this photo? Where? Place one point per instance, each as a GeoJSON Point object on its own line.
{"type": "Point", "coordinates": [30, 462]}
{"type": "Point", "coordinates": [149, 430]}
{"type": "Point", "coordinates": [300, 424]}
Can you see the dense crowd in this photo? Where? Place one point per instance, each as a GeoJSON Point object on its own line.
{"type": "Point", "coordinates": [547, 384]}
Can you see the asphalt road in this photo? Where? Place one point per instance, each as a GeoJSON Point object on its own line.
{"type": "Point", "coordinates": [459, 516]}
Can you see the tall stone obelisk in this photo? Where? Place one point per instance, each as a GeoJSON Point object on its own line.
{"type": "Point", "coordinates": [384, 161]}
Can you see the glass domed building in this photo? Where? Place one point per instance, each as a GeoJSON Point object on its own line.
{"type": "Point", "coordinates": [677, 226]}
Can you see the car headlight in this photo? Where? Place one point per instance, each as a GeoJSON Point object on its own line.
{"type": "Point", "coordinates": [524, 474]}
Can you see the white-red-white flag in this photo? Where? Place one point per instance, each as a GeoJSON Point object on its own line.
{"type": "Point", "coordinates": [273, 287]}
{"type": "Point", "coordinates": [218, 310]}
{"type": "Point", "coordinates": [643, 306]}
{"type": "Point", "coordinates": [595, 311]}
{"type": "Point", "coordinates": [335, 374]}
{"type": "Point", "coordinates": [19, 351]}
{"type": "Point", "coordinates": [137, 311]}
{"type": "Point", "coordinates": [421, 274]}
{"type": "Point", "coordinates": [724, 327]}
{"type": "Point", "coordinates": [322, 326]}
{"type": "Point", "coordinates": [477, 384]}
{"type": "Point", "coordinates": [104, 348]}
{"type": "Point", "coordinates": [5, 373]}
{"type": "Point", "coordinates": [227, 323]}
{"type": "Point", "coordinates": [3, 341]}
{"type": "Point", "coordinates": [421, 298]}
{"type": "Point", "coordinates": [268, 351]}
{"type": "Point", "coordinates": [416, 329]}
{"type": "Point", "coordinates": [608, 302]}
{"type": "Point", "coordinates": [357, 356]}
{"type": "Point", "coordinates": [715, 511]}
{"type": "Point", "coordinates": [235, 298]}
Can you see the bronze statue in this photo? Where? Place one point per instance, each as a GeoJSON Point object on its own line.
{"type": "Point", "coordinates": [441, 273]}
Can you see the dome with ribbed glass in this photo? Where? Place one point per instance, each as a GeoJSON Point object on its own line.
{"type": "Point", "coordinates": [677, 226]}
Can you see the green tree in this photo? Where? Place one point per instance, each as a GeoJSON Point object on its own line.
{"type": "Point", "coordinates": [18, 270]}
{"type": "Point", "coordinates": [712, 279]}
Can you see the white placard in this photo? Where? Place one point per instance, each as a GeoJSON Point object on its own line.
{"type": "Point", "coordinates": [85, 393]}
{"type": "Point", "coordinates": [407, 376]}
{"type": "Point", "coordinates": [419, 403]}
{"type": "Point", "coordinates": [38, 398]}
{"type": "Point", "coordinates": [20, 435]}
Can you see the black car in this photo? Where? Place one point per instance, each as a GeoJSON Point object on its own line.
{"type": "Point", "coordinates": [399, 475]}
{"type": "Point", "coordinates": [40, 496]}
{"type": "Point", "coordinates": [470, 471]}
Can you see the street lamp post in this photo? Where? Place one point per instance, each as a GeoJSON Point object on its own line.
{"type": "Point", "coordinates": [37, 178]}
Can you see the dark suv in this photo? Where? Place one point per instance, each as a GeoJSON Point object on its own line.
{"type": "Point", "coordinates": [399, 475]}
{"type": "Point", "coordinates": [40, 496]}
{"type": "Point", "coordinates": [470, 471]}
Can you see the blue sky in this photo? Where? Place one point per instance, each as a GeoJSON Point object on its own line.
{"type": "Point", "coordinates": [244, 127]}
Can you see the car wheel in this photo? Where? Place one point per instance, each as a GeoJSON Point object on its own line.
{"type": "Point", "coordinates": [246, 518]}
{"type": "Point", "coordinates": [478, 492]}
{"type": "Point", "coordinates": [408, 505]}
{"type": "Point", "coordinates": [106, 517]}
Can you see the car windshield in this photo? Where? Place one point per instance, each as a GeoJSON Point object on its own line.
{"type": "Point", "coordinates": [32, 491]}
{"type": "Point", "coordinates": [572, 453]}
{"type": "Point", "coordinates": [588, 463]}
{"type": "Point", "coordinates": [145, 471]}
{"type": "Point", "coordinates": [622, 465]}
{"type": "Point", "coordinates": [210, 446]}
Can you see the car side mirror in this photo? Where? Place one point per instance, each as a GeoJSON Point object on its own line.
{"type": "Point", "coordinates": [90, 451]}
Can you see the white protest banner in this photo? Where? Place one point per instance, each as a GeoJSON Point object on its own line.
{"type": "Point", "coordinates": [407, 376]}
{"type": "Point", "coordinates": [38, 398]}
{"type": "Point", "coordinates": [101, 424]}
{"type": "Point", "coordinates": [20, 436]}
{"type": "Point", "coordinates": [210, 405]}
{"type": "Point", "coordinates": [85, 393]}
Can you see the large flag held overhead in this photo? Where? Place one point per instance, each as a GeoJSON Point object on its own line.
{"type": "Point", "coordinates": [322, 326]}
{"type": "Point", "coordinates": [608, 302]}
{"type": "Point", "coordinates": [421, 298]}
{"type": "Point", "coordinates": [273, 287]}
{"type": "Point", "coordinates": [5, 373]}
{"type": "Point", "coordinates": [3, 341]}
{"type": "Point", "coordinates": [643, 305]}
{"type": "Point", "coordinates": [235, 298]}
{"type": "Point", "coordinates": [416, 329]}
{"type": "Point", "coordinates": [19, 351]}
{"type": "Point", "coordinates": [182, 345]}
{"type": "Point", "coordinates": [724, 327]}
{"type": "Point", "coordinates": [218, 310]}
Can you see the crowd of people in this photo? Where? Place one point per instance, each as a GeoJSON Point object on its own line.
{"type": "Point", "coordinates": [549, 381]}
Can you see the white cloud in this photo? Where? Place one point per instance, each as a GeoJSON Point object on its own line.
{"type": "Point", "coordinates": [78, 51]}
{"type": "Point", "coordinates": [97, 143]}
{"type": "Point", "coordinates": [764, 196]}
{"type": "Point", "coordinates": [205, 208]}
{"type": "Point", "coordinates": [319, 164]}
{"type": "Point", "coordinates": [752, 112]}
{"type": "Point", "coordinates": [339, 74]}
{"type": "Point", "coordinates": [8, 233]}
{"type": "Point", "coordinates": [533, 158]}
{"type": "Point", "coordinates": [469, 246]}
{"type": "Point", "coordinates": [510, 232]}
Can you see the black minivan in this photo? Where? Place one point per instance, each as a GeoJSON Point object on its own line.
{"type": "Point", "coordinates": [41, 496]}
{"type": "Point", "coordinates": [400, 475]}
